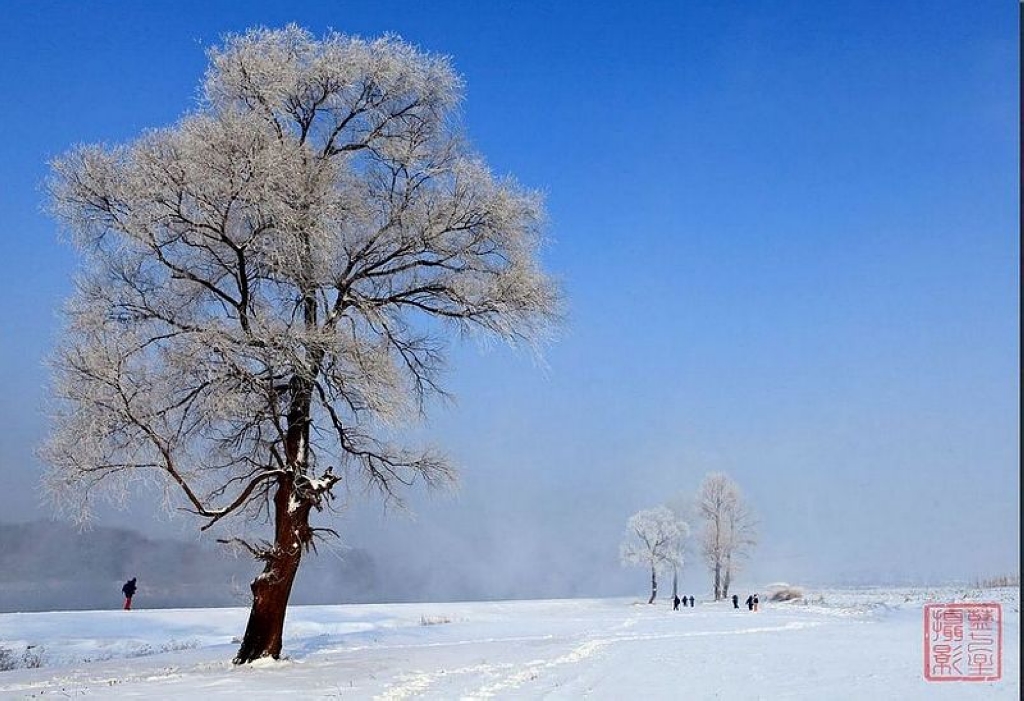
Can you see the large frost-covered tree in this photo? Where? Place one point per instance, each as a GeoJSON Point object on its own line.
{"type": "Point", "coordinates": [654, 539]}
{"type": "Point", "coordinates": [266, 288]}
{"type": "Point", "coordinates": [729, 531]}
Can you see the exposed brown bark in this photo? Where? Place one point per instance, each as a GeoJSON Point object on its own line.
{"type": "Point", "coordinates": [292, 534]}
{"type": "Point", "coordinates": [654, 586]}
{"type": "Point", "coordinates": [272, 589]}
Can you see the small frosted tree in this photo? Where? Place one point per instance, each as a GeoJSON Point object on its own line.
{"type": "Point", "coordinates": [729, 531]}
{"type": "Point", "coordinates": [267, 287]}
{"type": "Point", "coordinates": [654, 539]}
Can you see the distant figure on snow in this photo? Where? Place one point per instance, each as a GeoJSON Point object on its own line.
{"type": "Point", "coordinates": [735, 601]}
{"type": "Point", "coordinates": [691, 602]}
{"type": "Point", "coordinates": [675, 602]}
{"type": "Point", "coordinates": [129, 591]}
{"type": "Point", "coordinates": [755, 602]}
{"type": "Point", "coordinates": [750, 603]}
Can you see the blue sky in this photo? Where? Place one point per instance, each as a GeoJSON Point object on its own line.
{"type": "Point", "coordinates": [787, 232]}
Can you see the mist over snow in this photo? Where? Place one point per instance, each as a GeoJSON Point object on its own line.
{"type": "Point", "coordinates": [46, 566]}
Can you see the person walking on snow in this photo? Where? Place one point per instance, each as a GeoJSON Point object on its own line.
{"type": "Point", "coordinates": [735, 601]}
{"type": "Point", "coordinates": [691, 602]}
{"type": "Point", "coordinates": [675, 602]}
{"type": "Point", "coordinates": [755, 602]}
{"type": "Point", "coordinates": [129, 591]}
{"type": "Point", "coordinates": [750, 603]}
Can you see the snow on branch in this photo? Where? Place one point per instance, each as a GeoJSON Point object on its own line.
{"type": "Point", "coordinates": [654, 538]}
{"type": "Point", "coordinates": [271, 283]}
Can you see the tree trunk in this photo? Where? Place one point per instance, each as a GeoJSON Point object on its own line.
{"type": "Point", "coordinates": [654, 586]}
{"type": "Point", "coordinates": [292, 533]}
{"type": "Point", "coordinates": [727, 579]}
{"type": "Point", "coordinates": [675, 583]}
{"type": "Point", "coordinates": [718, 581]}
{"type": "Point", "coordinates": [272, 589]}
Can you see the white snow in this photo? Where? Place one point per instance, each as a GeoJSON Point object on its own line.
{"type": "Point", "coordinates": [836, 644]}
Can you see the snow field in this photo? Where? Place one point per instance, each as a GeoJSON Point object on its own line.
{"type": "Point", "coordinates": [840, 644]}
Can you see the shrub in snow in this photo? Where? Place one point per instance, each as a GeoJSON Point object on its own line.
{"type": "Point", "coordinates": [787, 594]}
{"type": "Point", "coordinates": [31, 658]}
{"type": "Point", "coordinates": [434, 620]}
{"type": "Point", "coordinates": [1010, 580]}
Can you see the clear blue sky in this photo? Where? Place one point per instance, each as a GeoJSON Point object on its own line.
{"type": "Point", "coordinates": [787, 231]}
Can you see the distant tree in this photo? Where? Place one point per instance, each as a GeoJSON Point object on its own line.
{"type": "Point", "coordinates": [268, 285]}
{"type": "Point", "coordinates": [654, 539]}
{"type": "Point", "coordinates": [729, 530]}
{"type": "Point", "coordinates": [681, 505]}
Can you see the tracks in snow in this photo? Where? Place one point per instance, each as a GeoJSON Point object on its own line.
{"type": "Point", "coordinates": [506, 676]}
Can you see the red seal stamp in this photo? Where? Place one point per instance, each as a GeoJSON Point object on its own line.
{"type": "Point", "coordinates": [963, 642]}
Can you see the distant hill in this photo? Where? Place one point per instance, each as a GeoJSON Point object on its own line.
{"type": "Point", "coordinates": [46, 566]}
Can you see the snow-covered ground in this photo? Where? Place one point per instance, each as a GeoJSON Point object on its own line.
{"type": "Point", "coordinates": [837, 644]}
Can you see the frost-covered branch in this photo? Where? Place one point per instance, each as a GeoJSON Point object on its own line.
{"type": "Point", "coordinates": [654, 539]}
{"type": "Point", "coordinates": [729, 532]}
{"type": "Point", "coordinates": [271, 282]}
